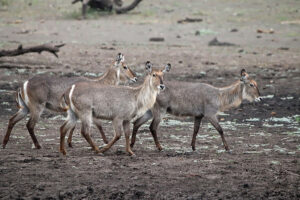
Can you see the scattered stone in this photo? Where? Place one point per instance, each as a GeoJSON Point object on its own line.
{"type": "Point", "coordinates": [270, 31]}
{"type": "Point", "coordinates": [157, 39]}
{"type": "Point", "coordinates": [178, 36]}
{"type": "Point", "coordinates": [273, 113]}
{"type": "Point", "coordinates": [241, 50]}
{"type": "Point", "coordinates": [258, 36]}
{"type": "Point", "coordinates": [107, 48]}
{"type": "Point", "coordinates": [189, 20]}
{"type": "Point", "coordinates": [234, 30]}
{"type": "Point", "coordinates": [209, 63]}
{"type": "Point", "coordinates": [215, 42]}
{"type": "Point", "coordinates": [197, 32]}
{"type": "Point", "coordinates": [269, 54]}
{"type": "Point", "coordinates": [284, 48]}
{"type": "Point", "coordinates": [291, 22]}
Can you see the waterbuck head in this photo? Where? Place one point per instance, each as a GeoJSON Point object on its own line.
{"type": "Point", "coordinates": [250, 89]}
{"type": "Point", "coordinates": [124, 72]}
{"type": "Point", "coordinates": [156, 76]}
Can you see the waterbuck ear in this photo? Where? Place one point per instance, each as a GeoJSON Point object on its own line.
{"type": "Point", "coordinates": [120, 58]}
{"type": "Point", "coordinates": [148, 66]}
{"type": "Point", "coordinates": [243, 72]}
{"type": "Point", "coordinates": [167, 68]}
{"type": "Point", "coordinates": [243, 75]}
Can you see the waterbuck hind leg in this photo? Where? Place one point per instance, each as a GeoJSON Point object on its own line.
{"type": "Point", "coordinates": [30, 127]}
{"type": "Point", "coordinates": [137, 124]}
{"type": "Point", "coordinates": [63, 131]}
{"type": "Point", "coordinates": [197, 123]}
{"type": "Point", "coordinates": [99, 126]}
{"type": "Point", "coordinates": [118, 128]}
{"type": "Point", "coordinates": [215, 123]}
{"type": "Point", "coordinates": [12, 122]}
{"type": "Point", "coordinates": [85, 132]}
{"type": "Point", "coordinates": [126, 127]}
{"type": "Point", "coordinates": [70, 137]}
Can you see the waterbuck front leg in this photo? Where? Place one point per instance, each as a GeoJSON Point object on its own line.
{"type": "Point", "coordinates": [12, 122]}
{"type": "Point", "coordinates": [137, 124]}
{"type": "Point", "coordinates": [118, 128]}
{"type": "Point", "coordinates": [214, 121]}
{"type": "Point", "coordinates": [154, 125]}
{"type": "Point", "coordinates": [197, 123]}
{"type": "Point", "coordinates": [126, 127]}
{"type": "Point", "coordinates": [99, 126]}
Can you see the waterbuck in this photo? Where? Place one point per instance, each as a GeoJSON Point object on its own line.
{"type": "Point", "coordinates": [198, 100]}
{"type": "Point", "coordinates": [119, 104]}
{"type": "Point", "coordinates": [43, 91]}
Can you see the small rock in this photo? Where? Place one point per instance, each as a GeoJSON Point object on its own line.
{"type": "Point", "coordinates": [273, 113]}
{"type": "Point", "coordinates": [216, 42]}
{"type": "Point", "coordinates": [234, 30]}
{"type": "Point", "coordinates": [157, 39]}
{"type": "Point", "coordinates": [284, 48]}
{"type": "Point", "coordinates": [269, 54]}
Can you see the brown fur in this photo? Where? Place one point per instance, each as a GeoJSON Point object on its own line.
{"type": "Point", "coordinates": [116, 103]}
{"type": "Point", "coordinates": [198, 100]}
{"type": "Point", "coordinates": [46, 91]}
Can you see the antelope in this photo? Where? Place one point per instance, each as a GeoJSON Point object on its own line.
{"type": "Point", "coordinates": [43, 91]}
{"type": "Point", "coordinates": [198, 100]}
{"type": "Point", "coordinates": [119, 104]}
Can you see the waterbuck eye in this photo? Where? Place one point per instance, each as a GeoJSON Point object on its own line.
{"type": "Point", "coordinates": [154, 75]}
{"type": "Point", "coordinates": [251, 85]}
{"type": "Point", "coordinates": [125, 67]}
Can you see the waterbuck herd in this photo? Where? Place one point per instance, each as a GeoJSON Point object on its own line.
{"type": "Point", "coordinates": [91, 100]}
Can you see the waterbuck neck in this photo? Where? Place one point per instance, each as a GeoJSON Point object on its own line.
{"type": "Point", "coordinates": [230, 96]}
{"type": "Point", "coordinates": [146, 97]}
{"type": "Point", "coordinates": [111, 76]}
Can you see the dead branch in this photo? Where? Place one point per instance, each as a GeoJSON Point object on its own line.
{"type": "Point", "coordinates": [122, 10]}
{"type": "Point", "coordinates": [106, 5]}
{"type": "Point", "coordinates": [34, 49]}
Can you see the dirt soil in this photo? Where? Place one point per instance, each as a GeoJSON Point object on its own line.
{"type": "Point", "coordinates": [264, 137]}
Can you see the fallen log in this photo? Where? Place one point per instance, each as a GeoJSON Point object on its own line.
{"type": "Point", "coordinates": [110, 5]}
{"type": "Point", "coordinates": [34, 49]}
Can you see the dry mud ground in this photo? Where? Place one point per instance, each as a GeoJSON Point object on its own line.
{"type": "Point", "coordinates": [264, 162]}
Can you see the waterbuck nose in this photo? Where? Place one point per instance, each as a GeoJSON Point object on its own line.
{"type": "Point", "coordinates": [161, 87]}
{"type": "Point", "coordinates": [134, 79]}
{"type": "Point", "coordinates": [258, 99]}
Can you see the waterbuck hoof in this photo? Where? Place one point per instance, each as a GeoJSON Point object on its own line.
{"type": "Point", "coordinates": [38, 146]}
{"type": "Point", "coordinates": [105, 141]}
{"type": "Point", "coordinates": [229, 151]}
{"type": "Point", "coordinates": [159, 148]}
{"type": "Point", "coordinates": [3, 146]}
{"type": "Point", "coordinates": [132, 155]}
{"type": "Point", "coordinates": [63, 152]}
{"type": "Point", "coordinates": [70, 145]}
{"type": "Point", "coordinates": [194, 149]}
{"type": "Point", "coordinates": [131, 145]}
